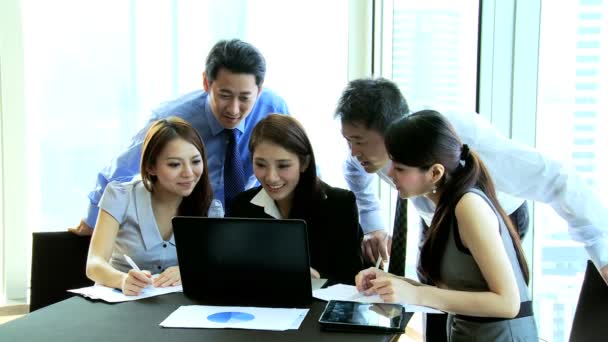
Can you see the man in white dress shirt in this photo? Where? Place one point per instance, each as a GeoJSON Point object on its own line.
{"type": "Point", "coordinates": [368, 106]}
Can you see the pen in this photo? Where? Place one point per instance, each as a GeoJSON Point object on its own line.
{"type": "Point", "coordinates": [384, 241]}
{"type": "Point", "coordinates": [378, 261]}
{"type": "Point", "coordinates": [131, 263]}
{"type": "Point", "coordinates": [134, 266]}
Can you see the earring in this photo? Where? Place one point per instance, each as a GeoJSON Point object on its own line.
{"type": "Point", "coordinates": [434, 189]}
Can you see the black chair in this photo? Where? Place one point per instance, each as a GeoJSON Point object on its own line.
{"type": "Point", "coordinates": [58, 264]}
{"type": "Point", "coordinates": [589, 322]}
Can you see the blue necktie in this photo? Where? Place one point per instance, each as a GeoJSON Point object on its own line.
{"type": "Point", "coordinates": [234, 180]}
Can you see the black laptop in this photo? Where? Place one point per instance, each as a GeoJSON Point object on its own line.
{"type": "Point", "coordinates": [244, 262]}
{"type": "Point", "coordinates": [589, 322]}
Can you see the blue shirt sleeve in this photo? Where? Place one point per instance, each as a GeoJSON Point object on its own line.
{"type": "Point", "coordinates": [121, 169]}
{"type": "Point", "coordinates": [361, 184]}
{"type": "Point", "coordinates": [194, 108]}
{"type": "Point", "coordinates": [126, 165]}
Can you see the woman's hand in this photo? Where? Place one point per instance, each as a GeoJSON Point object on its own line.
{"type": "Point", "coordinates": [394, 290]}
{"type": "Point", "coordinates": [170, 277]}
{"type": "Point", "coordinates": [363, 278]}
{"type": "Point", "coordinates": [135, 281]}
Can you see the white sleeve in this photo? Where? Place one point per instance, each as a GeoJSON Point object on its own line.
{"type": "Point", "coordinates": [524, 172]}
{"type": "Point", "coordinates": [362, 185]}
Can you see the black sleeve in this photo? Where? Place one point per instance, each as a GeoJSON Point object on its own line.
{"type": "Point", "coordinates": [240, 205]}
{"type": "Point", "coordinates": [347, 260]}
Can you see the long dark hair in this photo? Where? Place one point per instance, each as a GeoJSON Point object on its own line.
{"type": "Point", "coordinates": [426, 138]}
{"type": "Point", "coordinates": [158, 136]}
{"type": "Point", "coordinates": [287, 132]}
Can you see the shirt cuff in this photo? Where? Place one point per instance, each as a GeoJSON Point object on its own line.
{"type": "Point", "coordinates": [371, 222]}
{"type": "Point", "coordinates": [599, 253]}
{"type": "Point", "coordinates": [91, 217]}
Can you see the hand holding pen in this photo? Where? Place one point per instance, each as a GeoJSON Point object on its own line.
{"type": "Point", "coordinates": [380, 261]}
{"type": "Point", "coordinates": [374, 245]}
{"type": "Point", "coordinates": [136, 279]}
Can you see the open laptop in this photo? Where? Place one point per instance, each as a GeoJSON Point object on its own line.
{"type": "Point", "coordinates": [589, 322]}
{"type": "Point", "coordinates": [244, 262]}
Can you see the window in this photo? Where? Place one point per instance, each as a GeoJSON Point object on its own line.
{"type": "Point", "coordinates": [429, 49]}
{"type": "Point", "coordinates": [571, 126]}
{"type": "Point", "coordinates": [94, 70]}
{"type": "Point", "coordinates": [434, 53]}
{"type": "Point", "coordinates": [111, 76]}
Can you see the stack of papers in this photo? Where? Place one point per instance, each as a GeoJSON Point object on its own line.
{"type": "Point", "coordinates": [350, 293]}
{"type": "Point", "coordinates": [111, 295]}
{"type": "Point", "coordinates": [237, 317]}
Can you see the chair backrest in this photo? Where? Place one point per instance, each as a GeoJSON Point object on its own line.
{"type": "Point", "coordinates": [58, 264]}
{"type": "Point", "coordinates": [589, 323]}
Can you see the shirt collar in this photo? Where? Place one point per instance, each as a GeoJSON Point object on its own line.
{"type": "Point", "coordinates": [263, 199]}
{"type": "Point", "coordinates": [216, 127]}
{"type": "Point", "coordinates": [147, 223]}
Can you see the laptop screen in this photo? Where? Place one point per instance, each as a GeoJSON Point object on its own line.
{"type": "Point", "coordinates": [245, 262]}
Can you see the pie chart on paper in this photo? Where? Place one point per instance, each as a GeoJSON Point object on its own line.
{"type": "Point", "coordinates": [230, 317]}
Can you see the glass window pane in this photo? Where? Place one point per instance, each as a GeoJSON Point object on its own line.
{"type": "Point", "coordinates": [434, 62]}
{"type": "Point", "coordinates": [435, 52]}
{"type": "Point", "coordinates": [95, 69]}
{"type": "Point", "coordinates": [81, 98]}
{"type": "Point", "coordinates": [571, 126]}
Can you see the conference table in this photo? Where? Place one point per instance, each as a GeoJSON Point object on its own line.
{"type": "Point", "coordinates": [80, 319]}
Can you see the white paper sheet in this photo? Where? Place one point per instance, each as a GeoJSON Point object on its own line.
{"type": "Point", "coordinates": [317, 283]}
{"type": "Point", "coordinates": [111, 295]}
{"type": "Point", "coordinates": [345, 292]}
{"type": "Point", "coordinates": [350, 293]}
{"type": "Point", "coordinates": [237, 317]}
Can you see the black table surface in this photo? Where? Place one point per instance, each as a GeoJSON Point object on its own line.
{"type": "Point", "coordinates": [80, 319]}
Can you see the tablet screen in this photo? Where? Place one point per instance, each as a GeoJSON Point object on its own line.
{"type": "Point", "coordinates": [361, 315]}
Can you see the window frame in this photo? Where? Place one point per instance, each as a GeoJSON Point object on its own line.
{"type": "Point", "coordinates": [510, 33]}
{"type": "Point", "coordinates": [14, 239]}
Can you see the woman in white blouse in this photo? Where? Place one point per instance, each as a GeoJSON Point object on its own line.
{"type": "Point", "coordinates": [135, 217]}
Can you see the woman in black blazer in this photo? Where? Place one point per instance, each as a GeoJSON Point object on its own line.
{"type": "Point", "coordinates": [284, 164]}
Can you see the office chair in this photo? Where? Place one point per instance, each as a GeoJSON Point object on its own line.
{"type": "Point", "coordinates": [589, 322]}
{"type": "Point", "coordinates": [58, 264]}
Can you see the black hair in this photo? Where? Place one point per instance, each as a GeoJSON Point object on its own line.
{"type": "Point", "coordinates": [287, 132]}
{"type": "Point", "coordinates": [238, 57]}
{"type": "Point", "coordinates": [426, 138]}
{"type": "Point", "coordinates": [374, 103]}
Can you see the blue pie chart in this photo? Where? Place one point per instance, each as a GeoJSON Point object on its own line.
{"type": "Point", "coordinates": [230, 317]}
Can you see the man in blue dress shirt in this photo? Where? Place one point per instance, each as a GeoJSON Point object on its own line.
{"type": "Point", "coordinates": [232, 102]}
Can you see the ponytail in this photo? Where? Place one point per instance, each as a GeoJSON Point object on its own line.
{"type": "Point", "coordinates": [426, 138]}
{"type": "Point", "coordinates": [469, 174]}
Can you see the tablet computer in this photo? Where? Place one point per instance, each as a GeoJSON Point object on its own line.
{"type": "Point", "coordinates": [358, 317]}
